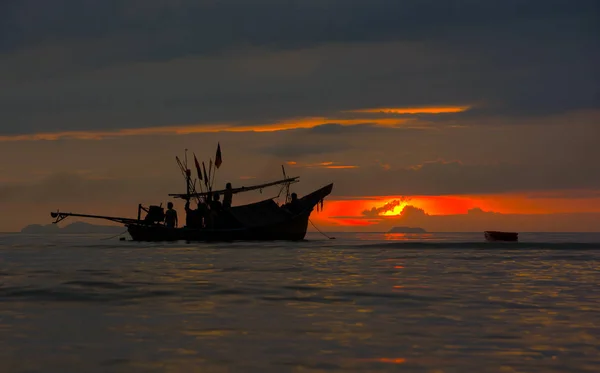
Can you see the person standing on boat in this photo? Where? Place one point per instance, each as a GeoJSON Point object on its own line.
{"type": "Point", "coordinates": [294, 205]}
{"type": "Point", "coordinates": [171, 216]}
{"type": "Point", "coordinates": [215, 204]}
{"type": "Point", "coordinates": [193, 218]}
{"type": "Point", "coordinates": [203, 212]}
{"type": "Point", "coordinates": [227, 196]}
{"type": "Point", "coordinates": [215, 210]}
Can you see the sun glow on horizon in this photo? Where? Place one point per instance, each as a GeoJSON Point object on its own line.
{"type": "Point", "coordinates": [396, 210]}
{"type": "Point", "coordinates": [366, 211]}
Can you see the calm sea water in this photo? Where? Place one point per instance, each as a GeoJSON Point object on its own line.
{"type": "Point", "coordinates": [361, 302]}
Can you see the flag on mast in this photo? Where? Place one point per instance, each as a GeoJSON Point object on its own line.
{"type": "Point", "coordinates": [218, 159]}
{"type": "Point", "coordinates": [210, 175]}
{"type": "Point", "coordinates": [198, 168]}
{"type": "Point", "coordinates": [205, 176]}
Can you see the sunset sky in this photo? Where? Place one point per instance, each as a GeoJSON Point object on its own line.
{"type": "Point", "coordinates": [450, 115]}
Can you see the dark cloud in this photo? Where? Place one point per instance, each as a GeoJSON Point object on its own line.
{"type": "Point", "coordinates": [545, 156]}
{"type": "Point", "coordinates": [73, 65]}
{"type": "Point", "coordinates": [451, 178]}
{"type": "Point", "coordinates": [565, 194]}
{"type": "Point", "coordinates": [286, 149]}
{"type": "Point", "coordinates": [336, 128]}
{"type": "Point", "coordinates": [192, 27]}
{"type": "Point", "coordinates": [68, 187]}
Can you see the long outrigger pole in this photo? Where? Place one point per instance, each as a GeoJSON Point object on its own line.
{"type": "Point", "coordinates": [60, 216]}
{"type": "Point", "coordinates": [289, 180]}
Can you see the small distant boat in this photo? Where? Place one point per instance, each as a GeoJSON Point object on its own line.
{"type": "Point", "coordinates": [501, 236]}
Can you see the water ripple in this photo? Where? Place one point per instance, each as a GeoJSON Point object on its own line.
{"type": "Point", "coordinates": [356, 304]}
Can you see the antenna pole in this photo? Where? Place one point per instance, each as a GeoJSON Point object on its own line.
{"type": "Point", "coordinates": [188, 182]}
{"type": "Point", "coordinates": [213, 178]}
{"type": "Point", "coordinates": [289, 180]}
{"type": "Point", "coordinates": [287, 186]}
{"type": "Point", "coordinates": [210, 174]}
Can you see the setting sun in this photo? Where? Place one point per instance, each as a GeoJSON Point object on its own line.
{"type": "Point", "coordinates": [369, 211]}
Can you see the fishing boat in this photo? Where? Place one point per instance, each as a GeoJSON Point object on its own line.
{"type": "Point", "coordinates": [264, 220]}
{"type": "Point", "coordinates": [501, 236]}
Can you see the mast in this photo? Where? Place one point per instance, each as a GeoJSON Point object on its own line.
{"type": "Point", "coordinates": [188, 182]}
{"type": "Point", "coordinates": [289, 180]}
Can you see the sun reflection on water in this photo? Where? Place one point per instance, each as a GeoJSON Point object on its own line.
{"type": "Point", "coordinates": [407, 236]}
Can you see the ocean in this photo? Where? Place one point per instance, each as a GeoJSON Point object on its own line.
{"type": "Point", "coordinates": [356, 303]}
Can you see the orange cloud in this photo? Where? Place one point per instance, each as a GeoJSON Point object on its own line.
{"type": "Point", "coordinates": [353, 222]}
{"type": "Point", "coordinates": [311, 122]}
{"type": "Point", "coordinates": [390, 208]}
{"type": "Point", "coordinates": [388, 360]}
{"type": "Point", "coordinates": [414, 110]}
{"type": "Point", "coordinates": [341, 167]}
{"type": "Point", "coordinates": [329, 165]}
{"type": "Point", "coordinates": [289, 124]}
{"type": "Point", "coordinates": [99, 135]}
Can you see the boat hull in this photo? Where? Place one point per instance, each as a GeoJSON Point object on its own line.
{"type": "Point", "coordinates": [291, 228]}
{"type": "Point", "coordinates": [501, 236]}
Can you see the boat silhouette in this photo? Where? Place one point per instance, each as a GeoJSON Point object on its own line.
{"type": "Point", "coordinates": [264, 220]}
{"type": "Point", "coordinates": [501, 236]}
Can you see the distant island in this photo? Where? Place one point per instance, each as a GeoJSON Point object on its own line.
{"type": "Point", "coordinates": [407, 230]}
{"type": "Point", "coordinates": [73, 228]}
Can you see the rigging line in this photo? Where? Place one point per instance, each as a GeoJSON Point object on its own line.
{"type": "Point", "coordinates": [331, 238]}
{"type": "Point", "coordinates": [194, 191]}
{"type": "Point", "coordinates": [110, 238]}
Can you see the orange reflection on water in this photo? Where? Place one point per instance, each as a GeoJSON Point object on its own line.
{"type": "Point", "coordinates": [394, 236]}
{"type": "Point", "coordinates": [398, 360]}
{"type": "Point", "coordinates": [406, 236]}
{"type": "Point", "coordinates": [392, 361]}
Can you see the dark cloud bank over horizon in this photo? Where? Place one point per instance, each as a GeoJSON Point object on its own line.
{"type": "Point", "coordinates": [91, 65]}
{"type": "Point", "coordinates": [282, 25]}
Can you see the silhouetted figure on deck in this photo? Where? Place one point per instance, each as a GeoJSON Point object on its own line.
{"type": "Point", "coordinates": [203, 213]}
{"type": "Point", "coordinates": [227, 196]}
{"type": "Point", "coordinates": [216, 205]}
{"type": "Point", "coordinates": [193, 218]}
{"type": "Point", "coordinates": [294, 205]}
{"type": "Point", "coordinates": [171, 220]}
{"type": "Point", "coordinates": [188, 215]}
{"type": "Point", "coordinates": [215, 210]}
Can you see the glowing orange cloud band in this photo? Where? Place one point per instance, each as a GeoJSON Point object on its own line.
{"type": "Point", "coordinates": [302, 123]}
{"type": "Point", "coordinates": [415, 110]}
{"type": "Point", "coordinates": [330, 165]}
{"type": "Point", "coordinates": [288, 124]}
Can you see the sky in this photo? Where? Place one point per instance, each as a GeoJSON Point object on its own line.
{"type": "Point", "coordinates": [449, 115]}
